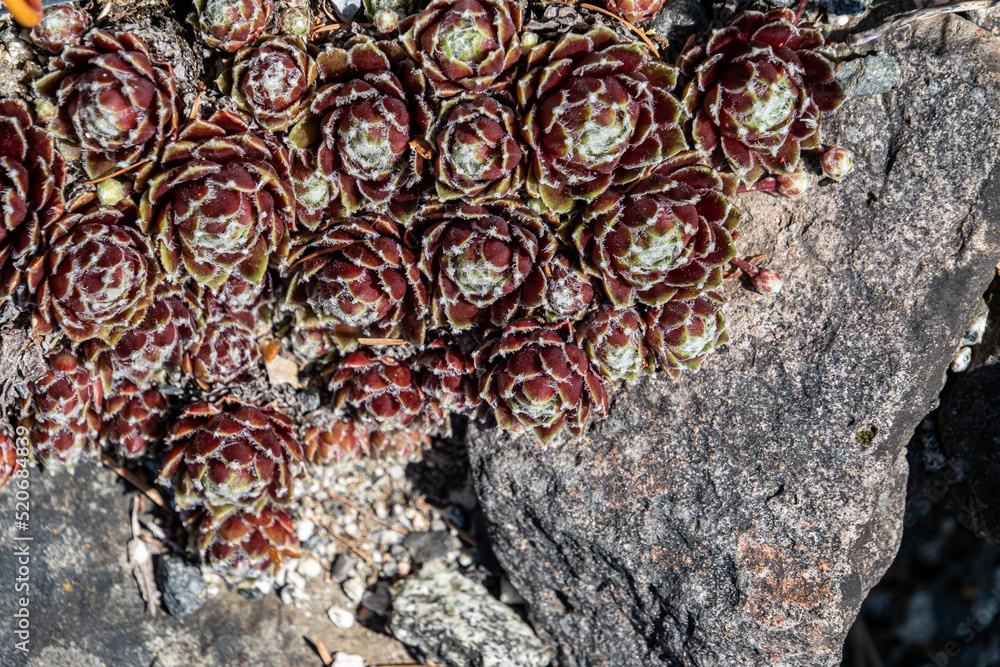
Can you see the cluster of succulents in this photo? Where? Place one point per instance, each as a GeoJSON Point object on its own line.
{"type": "Point", "coordinates": [443, 217]}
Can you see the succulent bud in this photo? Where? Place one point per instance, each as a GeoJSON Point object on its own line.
{"type": "Point", "coordinates": [837, 162]}
{"type": "Point", "coordinates": [765, 281]}
{"type": "Point", "coordinates": [793, 185]}
{"type": "Point", "coordinates": [296, 21]}
{"type": "Point", "coordinates": [385, 21]}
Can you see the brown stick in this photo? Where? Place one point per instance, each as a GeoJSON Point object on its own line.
{"type": "Point", "coordinates": [919, 15]}
{"type": "Point", "coordinates": [642, 35]}
{"type": "Point", "coordinates": [371, 515]}
{"type": "Point", "coordinates": [117, 173]}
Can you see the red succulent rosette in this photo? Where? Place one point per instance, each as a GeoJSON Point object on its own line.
{"type": "Point", "coordinates": [225, 352]}
{"type": "Point", "coordinates": [61, 26]}
{"type": "Point", "coordinates": [97, 277]}
{"type": "Point", "coordinates": [598, 113]}
{"type": "Point", "coordinates": [536, 377]}
{"type": "Point", "coordinates": [230, 454]}
{"type": "Point", "coordinates": [32, 173]}
{"type": "Point", "coordinates": [159, 345]}
{"type": "Point", "coordinates": [569, 292]}
{"type": "Point", "coordinates": [670, 232]}
{"type": "Point", "coordinates": [357, 279]}
{"type": "Point", "coordinates": [133, 420]}
{"type": "Point", "coordinates": [229, 25]}
{"type": "Point", "coordinates": [484, 262]}
{"type": "Point", "coordinates": [364, 121]}
{"type": "Point", "coordinates": [448, 378]}
{"type": "Point", "coordinates": [221, 204]}
{"type": "Point", "coordinates": [62, 416]}
{"type": "Point", "coordinates": [344, 441]}
{"type": "Point", "coordinates": [682, 332]}
{"type": "Point", "coordinates": [614, 341]}
{"type": "Point", "coordinates": [380, 392]}
{"type": "Point", "coordinates": [756, 90]}
{"type": "Point", "coordinates": [273, 80]}
{"type": "Point", "coordinates": [114, 100]}
{"type": "Point", "coordinates": [467, 45]}
{"type": "Point", "coordinates": [478, 155]}
{"type": "Point", "coordinates": [243, 546]}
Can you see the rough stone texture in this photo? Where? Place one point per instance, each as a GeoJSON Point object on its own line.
{"type": "Point", "coordinates": [85, 607]}
{"type": "Point", "coordinates": [679, 18]}
{"type": "Point", "coordinates": [845, 7]}
{"type": "Point", "coordinates": [740, 515]}
{"type": "Point", "coordinates": [183, 587]}
{"type": "Point", "coordinates": [968, 430]}
{"type": "Point", "coordinates": [454, 621]}
{"type": "Point", "coordinates": [869, 75]}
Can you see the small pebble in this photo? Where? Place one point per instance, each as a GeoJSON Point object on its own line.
{"type": "Point", "coordinates": [305, 529]}
{"type": "Point", "coordinates": [340, 617]}
{"type": "Point", "coordinates": [465, 560]}
{"type": "Point", "coordinates": [403, 568]}
{"type": "Point", "coordinates": [389, 569]}
{"type": "Point", "coordinates": [420, 523]}
{"type": "Point", "coordinates": [377, 599]}
{"type": "Point", "coordinates": [296, 579]}
{"type": "Point", "coordinates": [351, 529]}
{"type": "Point", "coordinates": [509, 594]}
{"type": "Point", "coordinates": [310, 568]}
{"type": "Point", "coordinates": [342, 568]}
{"type": "Point", "coordinates": [396, 472]}
{"type": "Point", "coordinates": [287, 594]}
{"type": "Point", "coordinates": [354, 589]}
{"type": "Point", "coordinates": [341, 659]}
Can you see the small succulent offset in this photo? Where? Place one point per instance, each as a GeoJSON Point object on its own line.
{"type": "Point", "coordinates": [756, 91]}
{"type": "Point", "coordinates": [112, 100]}
{"type": "Point", "coordinates": [458, 217]}
{"type": "Point", "coordinates": [229, 25]}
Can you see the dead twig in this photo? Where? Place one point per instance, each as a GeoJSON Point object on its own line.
{"type": "Point", "coordinates": [381, 341]}
{"type": "Point", "coordinates": [919, 15]}
{"type": "Point", "coordinates": [369, 514]}
{"type": "Point", "coordinates": [117, 173]}
{"type": "Point", "coordinates": [322, 650]}
{"type": "Point", "coordinates": [642, 35]}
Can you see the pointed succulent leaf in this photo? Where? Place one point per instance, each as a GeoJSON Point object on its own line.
{"type": "Point", "coordinates": [243, 546]}
{"type": "Point", "coordinates": [133, 420]}
{"type": "Point", "coordinates": [383, 393]}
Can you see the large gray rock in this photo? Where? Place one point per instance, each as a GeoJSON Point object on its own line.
{"type": "Point", "coordinates": [454, 621]}
{"type": "Point", "coordinates": [740, 515]}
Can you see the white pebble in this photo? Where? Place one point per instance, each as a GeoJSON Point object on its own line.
{"type": "Point", "coordinates": [340, 617]}
{"type": "Point", "coordinates": [341, 659]}
{"type": "Point", "coordinates": [403, 568]}
{"type": "Point", "coordinates": [396, 472]}
{"type": "Point", "coordinates": [420, 523]}
{"type": "Point", "coordinates": [296, 579]}
{"type": "Point", "coordinates": [310, 568]}
{"type": "Point", "coordinates": [351, 529]}
{"type": "Point", "coordinates": [212, 591]}
{"type": "Point", "coordinates": [354, 589]}
{"type": "Point", "coordinates": [287, 594]}
{"type": "Point", "coordinates": [305, 529]}
{"type": "Point", "coordinates": [465, 560]}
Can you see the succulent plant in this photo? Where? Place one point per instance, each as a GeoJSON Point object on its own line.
{"type": "Point", "coordinates": [230, 454]}
{"type": "Point", "coordinates": [569, 293]}
{"type": "Point", "coordinates": [62, 415]}
{"type": "Point", "coordinates": [448, 378]}
{"type": "Point", "coordinates": [401, 8]}
{"type": "Point", "coordinates": [399, 444]}
{"type": "Point", "coordinates": [477, 150]}
{"type": "Point", "coordinates": [61, 26]}
{"type": "Point", "coordinates": [248, 304]}
{"type": "Point", "coordinates": [97, 277]}
{"type": "Point", "coordinates": [484, 262]}
{"type": "Point", "coordinates": [295, 21]}
{"type": "Point", "coordinates": [225, 352]}
{"type": "Point", "coordinates": [9, 463]}
{"type": "Point", "coordinates": [364, 118]}
{"type": "Point", "coordinates": [756, 90]}
{"type": "Point", "coordinates": [467, 45]}
{"type": "Point", "coordinates": [221, 205]}
{"type": "Point", "coordinates": [382, 392]}
{"type": "Point", "coordinates": [793, 184]}
{"type": "Point", "coordinates": [316, 344]}
{"type": "Point", "coordinates": [615, 344]}
{"type": "Point", "coordinates": [635, 11]}
{"type": "Point", "coordinates": [345, 440]}
{"type": "Point", "coordinates": [597, 114]}
{"type": "Point", "coordinates": [244, 546]}
{"type": "Point", "coordinates": [670, 232]}
{"type": "Point", "coordinates": [357, 279]}
{"type": "Point", "coordinates": [765, 281]}
{"type": "Point", "coordinates": [229, 25]}
{"type": "Point", "coordinates": [133, 419]}
{"type": "Point", "coordinates": [535, 377]}
{"type": "Point", "coordinates": [31, 190]}
{"type": "Point", "coordinates": [683, 332]}
{"type": "Point", "coordinates": [836, 162]}
{"type": "Point", "coordinates": [273, 80]}
{"type": "Point", "coordinates": [317, 189]}
{"type": "Point", "coordinates": [113, 100]}
{"type": "Point", "coordinates": [159, 345]}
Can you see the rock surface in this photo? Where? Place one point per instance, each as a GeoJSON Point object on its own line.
{"type": "Point", "coordinates": [740, 515]}
{"type": "Point", "coordinates": [454, 621]}
{"type": "Point", "coordinates": [85, 607]}
{"type": "Point", "coordinates": [183, 587]}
